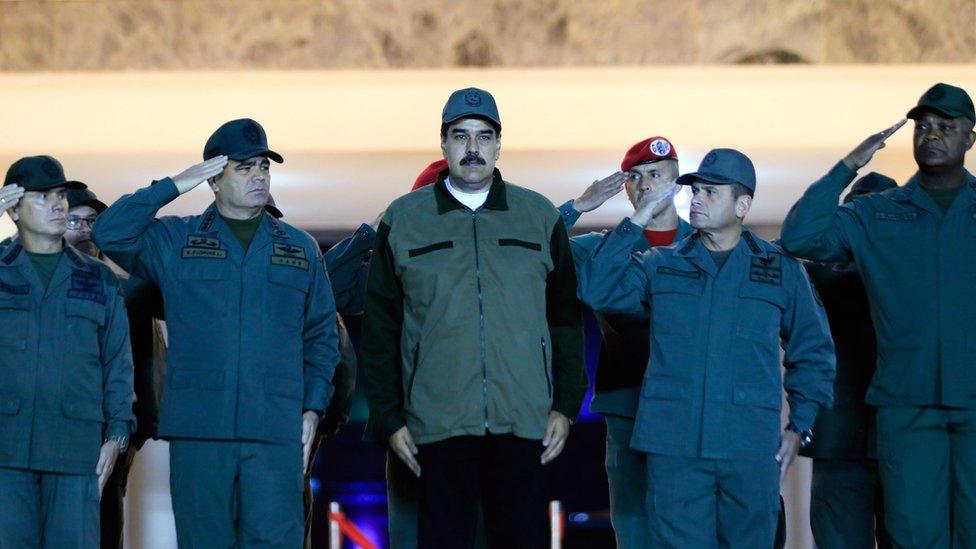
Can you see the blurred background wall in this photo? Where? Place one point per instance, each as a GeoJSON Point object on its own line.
{"type": "Point", "coordinates": [350, 91]}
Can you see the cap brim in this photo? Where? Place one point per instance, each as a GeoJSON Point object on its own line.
{"type": "Point", "coordinates": [480, 116]}
{"type": "Point", "coordinates": [690, 178]}
{"type": "Point", "coordinates": [267, 153]}
{"type": "Point", "coordinates": [918, 111]}
{"type": "Point", "coordinates": [76, 185]}
{"type": "Point", "coordinates": [96, 205]}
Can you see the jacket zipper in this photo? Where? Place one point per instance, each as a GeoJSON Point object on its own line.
{"type": "Point", "coordinates": [481, 315]}
{"type": "Point", "coordinates": [545, 367]}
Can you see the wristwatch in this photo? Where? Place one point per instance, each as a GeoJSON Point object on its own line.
{"type": "Point", "coordinates": [806, 435]}
{"type": "Point", "coordinates": [122, 441]}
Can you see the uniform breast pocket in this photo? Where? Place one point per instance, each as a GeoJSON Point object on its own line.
{"type": "Point", "coordinates": [900, 225]}
{"type": "Point", "coordinates": [15, 320]}
{"type": "Point", "coordinates": [84, 322]}
{"type": "Point", "coordinates": [203, 292]}
{"type": "Point", "coordinates": [287, 290]}
{"type": "Point", "coordinates": [674, 300]}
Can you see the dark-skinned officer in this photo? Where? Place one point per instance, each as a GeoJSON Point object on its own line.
{"type": "Point", "coordinates": [253, 342]}
{"type": "Point", "coordinates": [914, 249]}
{"type": "Point", "coordinates": [66, 388]}
{"type": "Point", "coordinates": [721, 302]}
{"type": "Point", "coordinates": [846, 505]}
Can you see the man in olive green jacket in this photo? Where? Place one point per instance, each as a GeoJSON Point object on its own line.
{"type": "Point", "coordinates": [473, 339]}
{"type": "Point", "coordinates": [915, 249]}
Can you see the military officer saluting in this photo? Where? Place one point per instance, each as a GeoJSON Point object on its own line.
{"type": "Point", "coordinates": [66, 388]}
{"type": "Point", "coordinates": [722, 302]}
{"type": "Point", "coordinates": [914, 249]}
{"type": "Point", "coordinates": [253, 342]}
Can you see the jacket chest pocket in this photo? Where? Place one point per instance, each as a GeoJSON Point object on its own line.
{"type": "Point", "coordinates": [14, 319]}
{"type": "Point", "coordinates": [899, 225]}
{"type": "Point", "coordinates": [85, 321]}
{"type": "Point", "coordinates": [760, 310]}
{"type": "Point", "coordinates": [287, 290]}
{"type": "Point", "coordinates": [203, 290]}
{"type": "Point", "coordinates": [675, 296]}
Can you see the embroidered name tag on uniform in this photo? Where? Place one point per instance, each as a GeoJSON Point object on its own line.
{"type": "Point", "coordinates": [15, 289]}
{"type": "Point", "coordinates": [678, 272]}
{"type": "Point", "coordinates": [203, 247]}
{"type": "Point", "coordinates": [87, 286]}
{"type": "Point", "coordinates": [290, 256]}
{"type": "Point", "coordinates": [767, 270]}
{"type": "Point", "coordinates": [907, 216]}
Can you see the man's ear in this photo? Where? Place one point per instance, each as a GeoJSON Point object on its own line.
{"type": "Point", "coordinates": [742, 205]}
{"type": "Point", "coordinates": [213, 184]}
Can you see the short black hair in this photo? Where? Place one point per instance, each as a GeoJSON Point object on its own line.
{"type": "Point", "coordinates": [738, 189]}
{"type": "Point", "coordinates": [496, 127]}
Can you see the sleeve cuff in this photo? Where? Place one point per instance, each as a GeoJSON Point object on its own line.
{"type": "Point", "coordinates": [803, 415]}
{"type": "Point", "coordinates": [119, 429]}
{"type": "Point", "coordinates": [569, 214]}
{"type": "Point", "coordinates": [162, 192]}
{"type": "Point", "coordinates": [841, 174]}
{"type": "Point", "coordinates": [317, 397]}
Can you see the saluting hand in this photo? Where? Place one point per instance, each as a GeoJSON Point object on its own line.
{"type": "Point", "coordinates": [557, 431]}
{"type": "Point", "coordinates": [310, 423]}
{"type": "Point", "coordinates": [861, 155]}
{"type": "Point", "coordinates": [599, 192]}
{"type": "Point", "coordinates": [652, 204]}
{"type": "Point", "coordinates": [194, 175]}
{"type": "Point", "coordinates": [10, 195]}
{"type": "Point", "coordinates": [106, 463]}
{"type": "Point", "coordinates": [402, 445]}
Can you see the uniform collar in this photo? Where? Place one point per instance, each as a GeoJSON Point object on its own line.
{"type": "Point", "coordinates": [694, 251]}
{"type": "Point", "coordinates": [212, 223]}
{"type": "Point", "coordinates": [913, 193]}
{"type": "Point", "coordinates": [496, 200]}
{"type": "Point", "coordinates": [14, 256]}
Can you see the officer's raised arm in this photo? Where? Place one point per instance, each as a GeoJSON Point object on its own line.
{"type": "Point", "coordinates": [816, 228]}
{"type": "Point", "coordinates": [128, 226]}
{"type": "Point", "coordinates": [612, 278]}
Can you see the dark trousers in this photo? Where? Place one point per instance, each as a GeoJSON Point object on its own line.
{"type": "Point", "coordinates": [927, 460]}
{"type": "Point", "coordinates": [627, 479]}
{"type": "Point", "coordinates": [113, 501]}
{"type": "Point", "coordinates": [698, 503]}
{"type": "Point", "coordinates": [501, 472]}
{"type": "Point", "coordinates": [846, 504]}
{"type": "Point", "coordinates": [237, 494]}
{"type": "Point", "coordinates": [48, 510]}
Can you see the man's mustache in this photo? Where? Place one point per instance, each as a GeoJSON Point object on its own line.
{"type": "Point", "coordinates": [472, 159]}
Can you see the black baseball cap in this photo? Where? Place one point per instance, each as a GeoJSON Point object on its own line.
{"type": "Point", "coordinates": [84, 197]}
{"type": "Point", "coordinates": [239, 140]}
{"type": "Point", "coordinates": [39, 173]}
{"type": "Point", "coordinates": [723, 167]}
{"type": "Point", "coordinates": [947, 100]}
{"type": "Point", "coordinates": [471, 103]}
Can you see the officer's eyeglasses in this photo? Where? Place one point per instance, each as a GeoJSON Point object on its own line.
{"type": "Point", "coordinates": [76, 221]}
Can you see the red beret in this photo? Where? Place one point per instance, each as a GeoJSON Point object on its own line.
{"type": "Point", "coordinates": [430, 174]}
{"type": "Point", "coordinates": [651, 149]}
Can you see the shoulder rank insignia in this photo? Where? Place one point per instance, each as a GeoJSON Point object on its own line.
{"type": "Point", "coordinates": [767, 270]}
{"type": "Point", "coordinates": [86, 285]}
